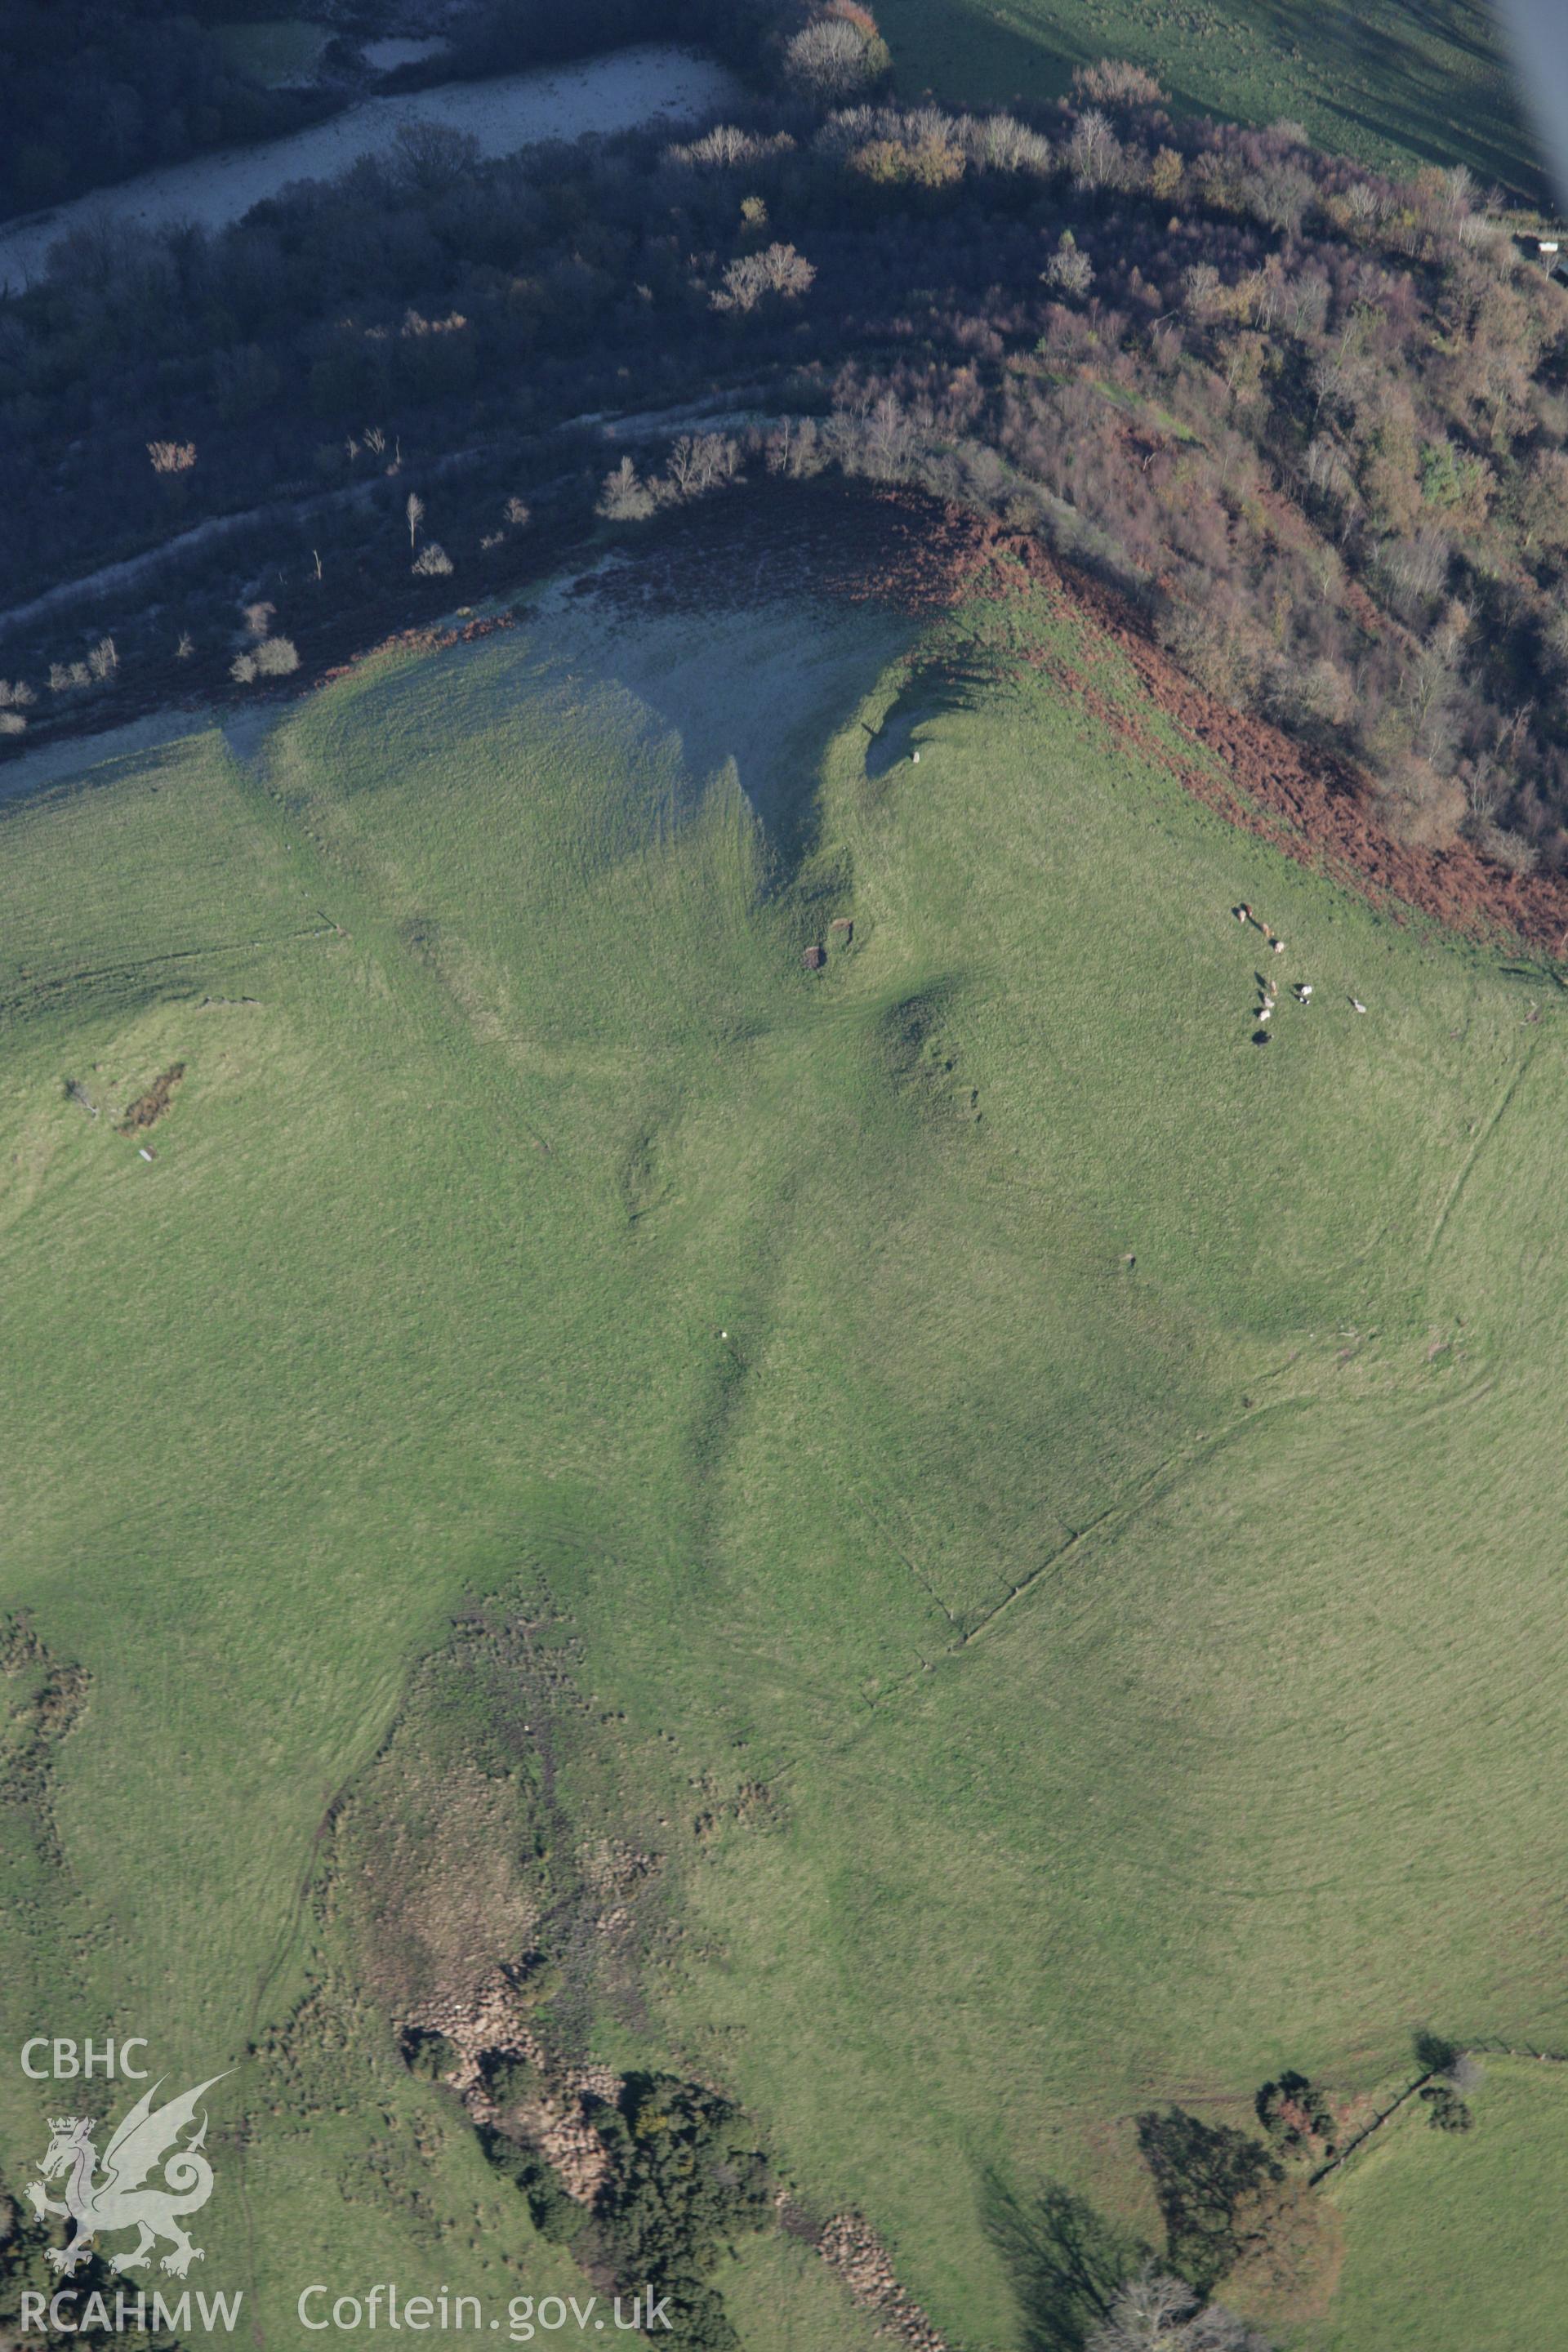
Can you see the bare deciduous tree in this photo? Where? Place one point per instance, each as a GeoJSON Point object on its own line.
{"type": "Point", "coordinates": [777, 269]}
{"type": "Point", "coordinates": [172, 456]}
{"type": "Point", "coordinates": [889, 437]}
{"type": "Point", "coordinates": [1280, 194]}
{"type": "Point", "coordinates": [1344, 377]}
{"type": "Point", "coordinates": [414, 510]}
{"type": "Point", "coordinates": [724, 147]}
{"type": "Point", "coordinates": [432, 562]}
{"type": "Point", "coordinates": [433, 155]}
{"type": "Point", "coordinates": [832, 58]}
{"type": "Point", "coordinates": [794, 448]}
{"type": "Point", "coordinates": [271, 657]}
{"type": "Point", "coordinates": [625, 497]}
{"type": "Point", "coordinates": [1094, 150]}
{"type": "Point", "coordinates": [699, 462]}
{"type": "Point", "coordinates": [1070, 269]}
{"type": "Point", "coordinates": [1156, 2313]}
{"type": "Point", "coordinates": [1200, 289]}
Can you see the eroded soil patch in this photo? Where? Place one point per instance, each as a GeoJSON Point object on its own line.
{"type": "Point", "coordinates": [149, 1108]}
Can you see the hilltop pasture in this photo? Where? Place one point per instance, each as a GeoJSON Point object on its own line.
{"type": "Point", "coordinates": [1047, 1512]}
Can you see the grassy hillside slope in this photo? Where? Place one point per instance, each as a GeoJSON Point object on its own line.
{"type": "Point", "coordinates": [1393, 83]}
{"type": "Point", "coordinates": [1451, 2247]}
{"type": "Point", "coordinates": [1056, 1506]}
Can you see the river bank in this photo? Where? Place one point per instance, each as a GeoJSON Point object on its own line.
{"type": "Point", "coordinates": [602, 95]}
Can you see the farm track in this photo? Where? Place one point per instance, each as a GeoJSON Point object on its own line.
{"type": "Point", "coordinates": [1462, 1175]}
{"type": "Point", "coordinates": [59, 984]}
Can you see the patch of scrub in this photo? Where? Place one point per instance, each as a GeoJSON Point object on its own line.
{"type": "Point", "coordinates": [605, 94]}
{"type": "Point", "coordinates": [149, 1108]}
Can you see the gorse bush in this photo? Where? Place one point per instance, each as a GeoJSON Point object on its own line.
{"type": "Point", "coordinates": [1445, 2111]}
{"type": "Point", "coordinates": [1297, 2115]}
{"type": "Point", "coordinates": [681, 2183]}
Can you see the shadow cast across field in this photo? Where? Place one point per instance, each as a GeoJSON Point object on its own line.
{"type": "Point", "coordinates": [761, 691]}
{"type": "Point", "coordinates": [246, 730]}
{"type": "Point", "coordinates": [1065, 2260]}
{"type": "Point", "coordinates": [939, 689]}
{"type": "Point", "coordinates": [81, 765]}
{"type": "Point", "coordinates": [981, 65]}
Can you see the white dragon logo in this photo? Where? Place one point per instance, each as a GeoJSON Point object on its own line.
{"type": "Point", "coordinates": [119, 2200]}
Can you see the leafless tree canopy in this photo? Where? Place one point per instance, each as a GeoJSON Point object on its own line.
{"type": "Point", "coordinates": [779, 269]}
{"type": "Point", "coordinates": [1068, 270]}
{"type": "Point", "coordinates": [625, 497]}
{"type": "Point", "coordinates": [271, 657]}
{"type": "Point", "coordinates": [832, 58]}
{"type": "Point", "coordinates": [1156, 2313]}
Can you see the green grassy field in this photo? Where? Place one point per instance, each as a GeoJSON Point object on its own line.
{"type": "Point", "coordinates": [1101, 1596]}
{"type": "Point", "coordinates": [1434, 2225]}
{"type": "Point", "coordinates": [1393, 82]}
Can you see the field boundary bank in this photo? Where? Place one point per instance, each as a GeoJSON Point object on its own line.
{"type": "Point", "coordinates": [1490, 2045]}
{"type": "Point", "coordinates": [1314, 2179]}
{"type": "Point", "coordinates": [1148, 1489]}
{"type": "Point", "coordinates": [1495, 2048]}
{"type": "Point", "coordinates": [1483, 1137]}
